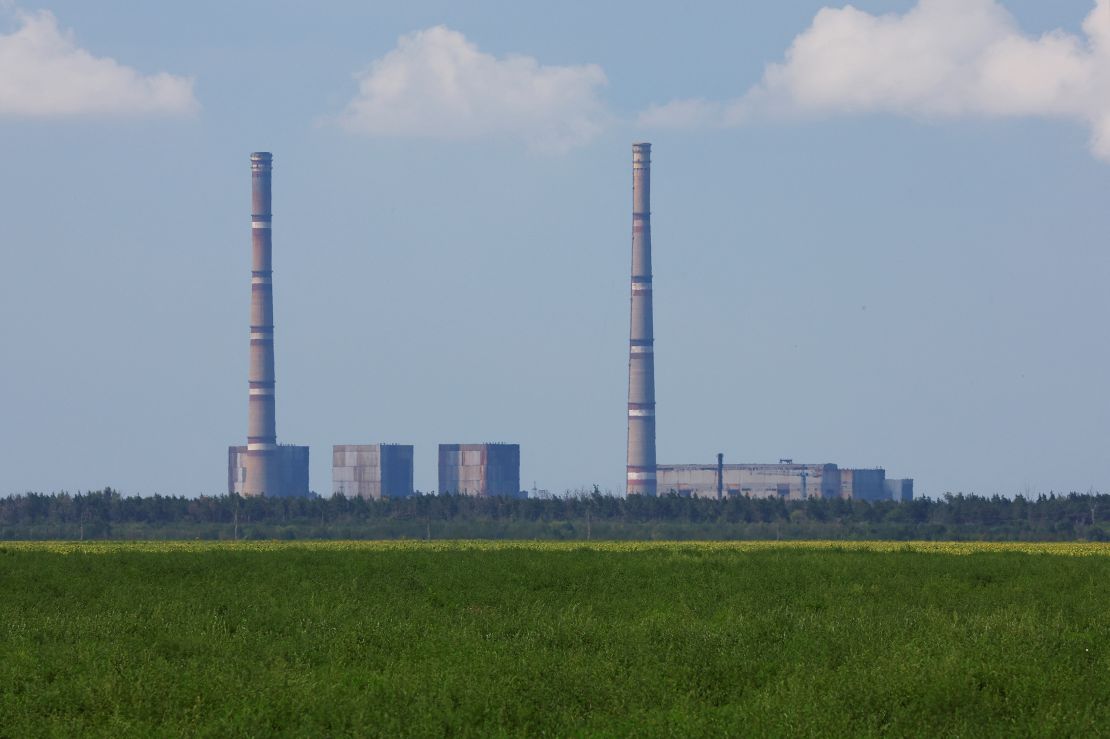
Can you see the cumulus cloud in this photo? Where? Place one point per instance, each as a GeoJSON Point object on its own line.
{"type": "Point", "coordinates": [690, 113]}
{"type": "Point", "coordinates": [942, 59]}
{"type": "Point", "coordinates": [437, 84]}
{"type": "Point", "coordinates": [44, 74]}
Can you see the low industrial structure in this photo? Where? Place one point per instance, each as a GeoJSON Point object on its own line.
{"type": "Point", "coordinates": [372, 471]}
{"type": "Point", "coordinates": [480, 469]}
{"type": "Point", "coordinates": [863, 484]}
{"type": "Point", "coordinates": [900, 490]}
{"type": "Point", "coordinates": [785, 480]}
{"type": "Point", "coordinates": [791, 481]}
{"type": "Point", "coordinates": [290, 466]}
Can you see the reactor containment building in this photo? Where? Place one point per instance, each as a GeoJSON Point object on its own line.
{"type": "Point", "coordinates": [480, 469]}
{"type": "Point", "coordinates": [372, 471]}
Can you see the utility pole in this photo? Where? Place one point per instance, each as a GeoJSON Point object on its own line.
{"type": "Point", "coordinates": [720, 476]}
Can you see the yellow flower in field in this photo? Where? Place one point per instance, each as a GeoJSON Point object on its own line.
{"type": "Point", "coordinates": [1071, 549]}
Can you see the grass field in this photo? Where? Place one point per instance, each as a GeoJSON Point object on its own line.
{"type": "Point", "coordinates": [558, 639]}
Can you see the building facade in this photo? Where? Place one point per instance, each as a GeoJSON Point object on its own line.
{"type": "Point", "coordinates": [480, 469]}
{"type": "Point", "coordinates": [784, 480]}
{"type": "Point", "coordinates": [372, 471]}
{"type": "Point", "coordinates": [290, 466]}
{"type": "Point", "coordinates": [899, 490]}
{"type": "Point", "coordinates": [863, 484]}
{"type": "Point", "coordinates": [790, 481]}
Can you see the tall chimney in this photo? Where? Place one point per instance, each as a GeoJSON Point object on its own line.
{"type": "Point", "coordinates": [262, 468]}
{"type": "Point", "coordinates": [641, 357]}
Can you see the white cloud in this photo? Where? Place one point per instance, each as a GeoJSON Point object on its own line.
{"type": "Point", "coordinates": [943, 59]}
{"type": "Point", "coordinates": [689, 113]}
{"type": "Point", "coordinates": [43, 74]}
{"type": "Point", "coordinates": [437, 84]}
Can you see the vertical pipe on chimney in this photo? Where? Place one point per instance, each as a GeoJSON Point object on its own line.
{"type": "Point", "coordinates": [261, 462]}
{"type": "Point", "coordinates": [641, 358]}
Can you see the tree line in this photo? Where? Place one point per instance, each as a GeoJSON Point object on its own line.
{"type": "Point", "coordinates": [106, 514]}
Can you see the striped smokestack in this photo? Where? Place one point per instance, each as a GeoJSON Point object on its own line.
{"type": "Point", "coordinates": [262, 469]}
{"type": "Point", "coordinates": [641, 357]}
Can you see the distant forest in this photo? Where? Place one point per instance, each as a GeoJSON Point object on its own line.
{"type": "Point", "coordinates": [107, 514]}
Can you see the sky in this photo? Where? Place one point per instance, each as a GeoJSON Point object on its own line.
{"type": "Point", "coordinates": [879, 235]}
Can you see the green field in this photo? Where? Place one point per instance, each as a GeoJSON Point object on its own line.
{"type": "Point", "coordinates": [554, 639]}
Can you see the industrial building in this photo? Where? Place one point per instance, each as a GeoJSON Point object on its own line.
{"type": "Point", "coordinates": [863, 484]}
{"type": "Point", "coordinates": [899, 490]}
{"type": "Point", "coordinates": [644, 476]}
{"type": "Point", "coordinates": [291, 468]}
{"type": "Point", "coordinates": [785, 480]}
{"type": "Point", "coordinates": [263, 467]}
{"type": "Point", "coordinates": [480, 469]}
{"type": "Point", "coordinates": [372, 471]}
{"type": "Point", "coordinates": [640, 465]}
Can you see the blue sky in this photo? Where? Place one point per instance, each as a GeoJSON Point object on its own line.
{"type": "Point", "coordinates": [888, 249]}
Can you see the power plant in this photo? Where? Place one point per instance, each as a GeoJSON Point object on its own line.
{"type": "Point", "coordinates": [641, 346]}
{"type": "Point", "coordinates": [374, 471]}
{"type": "Point", "coordinates": [264, 467]}
{"type": "Point", "coordinates": [644, 475]}
{"type": "Point", "coordinates": [480, 469]}
{"type": "Point", "coordinates": [785, 480]}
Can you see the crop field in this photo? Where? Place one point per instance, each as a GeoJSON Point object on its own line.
{"type": "Point", "coordinates": [470, 638]}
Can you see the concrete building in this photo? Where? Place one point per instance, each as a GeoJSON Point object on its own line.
{"type": "Point", "coordinates": [640, 469]}
{"type": "Point", "coordinates": [863, 485]}
{"type": "Point", "coordinates": [480, 469]}
{"type": "Point", "coordinates": [899, 490]}
{"type": "Point", "coordinates": [291, 468]}
{"type": "Point", "coordinates": [783, 480]}
{"type": "Point", "coordinates": [786, 480]}
{"type": "Point", "coordinates": [372, 470]}
{"type": "Point", "coordinates": [265, 468]}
